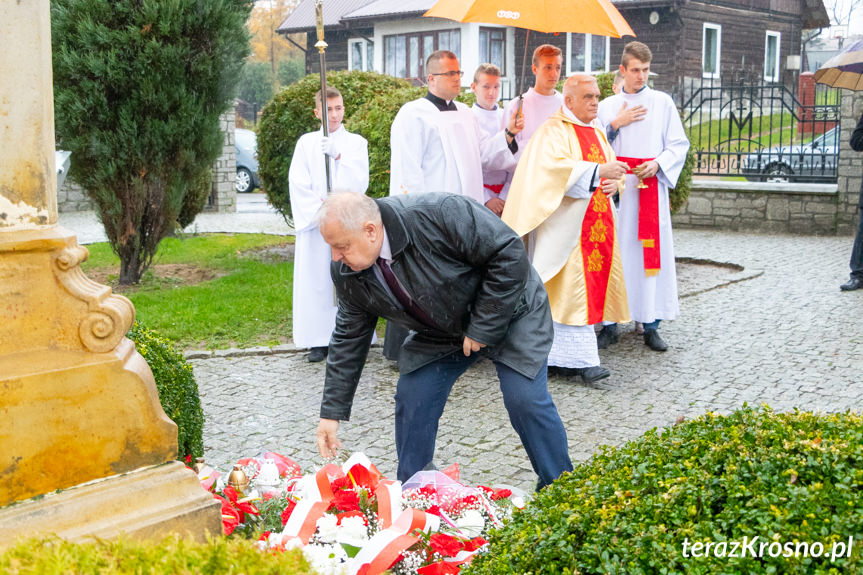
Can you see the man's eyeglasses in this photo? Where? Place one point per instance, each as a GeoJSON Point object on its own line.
{"type": "Point", "coordinates": [450, 74]}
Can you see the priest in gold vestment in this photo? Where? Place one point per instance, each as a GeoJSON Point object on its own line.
{"type": "Point", "coordinates": [559, 202]}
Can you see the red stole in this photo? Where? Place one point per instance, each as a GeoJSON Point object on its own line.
{"type": "Point", "coordinates": [648, 217]}
{"type": "Point", "coordinates": [597, 231]}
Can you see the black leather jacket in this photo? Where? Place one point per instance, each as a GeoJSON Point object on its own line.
{"type": "Point", "coordinates": [857, 145]}
{"type": "Point", "coordinates": [466, 269]}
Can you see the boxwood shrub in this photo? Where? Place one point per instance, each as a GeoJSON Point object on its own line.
{"type": "Point", "coordinates": [173, 555]}
{"type": "Point", "coordinates": [793, 480]}
{"type": "Point", "coordinates": [178, 390]}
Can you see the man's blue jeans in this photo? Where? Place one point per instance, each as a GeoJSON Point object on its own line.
{"type": "Point", "coordinates": [422, 394]}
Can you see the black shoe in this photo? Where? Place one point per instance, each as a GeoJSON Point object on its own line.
{"type": "Point", "coordinates": [563, 371]}
{"type": "Point", "coordinates": [606, 336]}
{"type": "Point", "coordinates": [852, 284]}
{"type": "Point", "coordinates": [318, 354]}
{"type": "Point", "coordinates": [593, 373]}
{"type": "Point", "coordinates": [653, 341]}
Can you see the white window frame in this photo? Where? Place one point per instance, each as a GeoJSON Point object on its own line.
{"type": "Point", "coordinates": [365, 65]}
{"type": "Point", "coordinates": [718, 29]}
{"type": "Point", "coordinates": [774, 74]}
{"type": "Point", "coordinates": [588, 53]}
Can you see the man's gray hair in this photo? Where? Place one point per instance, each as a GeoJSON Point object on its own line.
{"type": "Point", "coordinates": [350, 209]}
{"type": "Point", "coordinates": [574, 81]}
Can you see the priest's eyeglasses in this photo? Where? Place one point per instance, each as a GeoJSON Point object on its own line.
{"type": "Point", "coordinates": [450, 74]}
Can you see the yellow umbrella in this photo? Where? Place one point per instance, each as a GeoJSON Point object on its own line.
{"type": "Point", "coordinates": [581, 16]}
{"type": "Point", "coordinates": [598, 17]}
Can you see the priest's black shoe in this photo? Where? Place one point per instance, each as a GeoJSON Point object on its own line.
{"type": "Point", "coordinates": [606, 336]}
{"type": "Point", "coordinates": [593, 373]}
{"type": "Point", "coordinates": [852, 284]}
{"type": "Point", "coordinates": [318, 354]}
{"type": "Point", "coordinates": [653, 341]}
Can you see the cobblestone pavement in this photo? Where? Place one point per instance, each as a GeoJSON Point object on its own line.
{"type": "Point", "coordinates": [779, 332]}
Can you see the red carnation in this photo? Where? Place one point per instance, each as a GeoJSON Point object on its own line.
{"type": "Point", "coordinates": [474, 544]}
{"type": "Point", "coordinates": [345, 500]}
{"type": "Point", "coordinates": [439, 568]}
{"type": "Point", "coordinates": [444, 544]}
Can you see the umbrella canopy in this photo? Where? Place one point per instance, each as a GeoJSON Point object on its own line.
{"type": "Point", "coordinates": [579, 16]}
{"type": "Point", "coordinates": [845, 69]}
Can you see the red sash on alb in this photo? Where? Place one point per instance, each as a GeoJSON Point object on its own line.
{"type": "Point", "coordinates": [597, 232]}
{"type": "Point", "coordinates": [648, 217]}
{"type": "Point", "coordinates": [496, 188]}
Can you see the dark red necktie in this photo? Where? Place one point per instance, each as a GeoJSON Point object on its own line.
{"type": "Point", "coordinates": [402, 296]}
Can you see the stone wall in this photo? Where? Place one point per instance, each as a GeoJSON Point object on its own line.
{"type": "Point", "coordinates": [223, 198]}
{"type": "Point", "coordinates": [790, 208]}
{"type": "Point", "coordinates": [760, 207]}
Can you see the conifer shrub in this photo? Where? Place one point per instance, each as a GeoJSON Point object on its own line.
{"type": "Point", "coordinates": [792, 480]}
{"type": "Point", "coordinates": [171, 556]}
{"type": "Point", "coordinates": [178, 390]}
{"type": "Point", "coordinates": [139, 86]}
{"type": "Point", "coordinates": [679, 194]}
{"type": "Point", "coordinates": [290, 114]}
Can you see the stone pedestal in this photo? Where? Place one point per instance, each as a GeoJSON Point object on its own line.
{"type": "Point", "coordinates": [139, 504]}
{"type": "Point", "coordinates": [78, 403]}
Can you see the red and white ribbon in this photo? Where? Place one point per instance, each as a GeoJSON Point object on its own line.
{"type": "Point", "coordinates": [385, 547]}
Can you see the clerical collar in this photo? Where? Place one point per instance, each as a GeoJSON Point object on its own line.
{"type": "Point", "coordinates": [642, 89]}
{"type": "Point", "coordinates": [440, 103]}
{"type": "Point", "coordinates": [568, 113]}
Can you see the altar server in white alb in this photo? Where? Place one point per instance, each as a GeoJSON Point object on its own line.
{"type": "Point", "coordinates": [540, 102]}
{"type": "Point", "coordinates": [486, 87]}
{"type": "Point", "coordinates": [655, 149]}
{"type": "Point", "coordinates": [436, 144]}
{"type": "Point", "coordinates": [314, 305]}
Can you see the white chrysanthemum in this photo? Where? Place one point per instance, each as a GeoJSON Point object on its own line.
{"type": "Point", "coordinates": [328, 530]}
{"type": "Point", "coordinates": [327, 559]}
{"type": "Point", "coordinates": [353, 529]}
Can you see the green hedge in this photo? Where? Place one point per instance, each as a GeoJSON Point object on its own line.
{"type": "Point", "coordinates": [172, 556]}
{"type": "Point", "coordinates": [782, 477]}
{"type": "Point", "coordinates": [178, 390]}
{"type": "Point", "coordinates": [290, 114]}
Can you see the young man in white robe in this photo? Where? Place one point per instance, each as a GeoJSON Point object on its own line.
{"type": "Point", "coordinates": [314, 303]}
{"type": "Point", "coordinates": [486, 87]}
{"type": "Point", "coordinates": [560, 202]}
{"type": "Point", "coordinates": [655, 149]}
{"type": "Point", "coordinates": [541, 101]}
{"type": "Point", "coordinates": [436, 145]}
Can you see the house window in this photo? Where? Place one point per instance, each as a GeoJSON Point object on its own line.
{"type": "Point", "coordinates": [771, 56]}
{"type": "Point", "coordinates": [710, 50]}
{"type": "Point", "coordinates": [492, 47]}
{"type": "Point", "coordinates": [586, 53]}
{"type": "Point", "coordinates": [361, 54]}
{"type": "Point", "coordinates": [405, 54]}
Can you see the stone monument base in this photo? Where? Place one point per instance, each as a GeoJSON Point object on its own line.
{"type": "Point", "coordinates": [148, 503]}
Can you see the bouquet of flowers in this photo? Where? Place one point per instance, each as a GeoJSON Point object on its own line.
{"type": "Point", "coordinates": [352, 520]}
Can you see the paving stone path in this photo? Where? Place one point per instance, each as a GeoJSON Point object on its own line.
{"type": "Point", "coordinates": [777, 331]}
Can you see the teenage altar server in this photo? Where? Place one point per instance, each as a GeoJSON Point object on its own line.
{"type": "Point", "coordinates": [655, 149]}
{"type": "Point", "coordinates": [314, 304]}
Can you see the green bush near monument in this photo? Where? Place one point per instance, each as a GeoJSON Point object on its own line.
{"type": "Point", "coordinates": [785, 478]}
{"type": "Point", "coordinates": [173, 555]}
{"type": "Point", "coordinates": [178, 390]}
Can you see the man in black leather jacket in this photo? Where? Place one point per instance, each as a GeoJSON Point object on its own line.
{"type": "Point", "coordinates": [450, 271]}
{"type": "Point", "coordinates": [856, 281]}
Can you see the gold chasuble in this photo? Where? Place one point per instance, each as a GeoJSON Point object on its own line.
{"type": "Point", "coordinates": [572, 241]}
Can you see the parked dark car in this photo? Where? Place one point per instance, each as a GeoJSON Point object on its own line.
{"type": "Point", "coordinates": [815, 161]}
{"type": "Point", "coordinates": [246, 143]}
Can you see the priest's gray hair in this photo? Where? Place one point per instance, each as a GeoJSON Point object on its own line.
{"type": "Point", "coordinates": [575, 81]}
{"type": "Point", "coordinates": [350, 209]}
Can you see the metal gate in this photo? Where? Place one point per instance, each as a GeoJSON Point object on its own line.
{"type": "Point", "coordinates": [763, 131]}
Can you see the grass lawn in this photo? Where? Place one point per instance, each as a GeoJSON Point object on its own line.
{"type": "Point", "coordinates": [211, 291]}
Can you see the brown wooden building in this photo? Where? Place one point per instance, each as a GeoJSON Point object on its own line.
{"type": "Point", "coordinates": [691, 40]}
